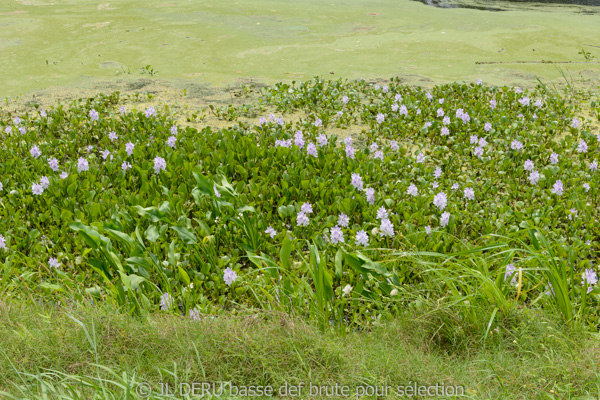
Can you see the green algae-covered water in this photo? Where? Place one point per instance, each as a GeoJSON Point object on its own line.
{"type": "Point", "coordinates": [47, 43]}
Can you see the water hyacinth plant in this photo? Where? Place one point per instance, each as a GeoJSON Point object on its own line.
{"type": "Point", "coordinates": [277, 212]}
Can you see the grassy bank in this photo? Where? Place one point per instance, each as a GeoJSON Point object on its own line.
{"type": "Point", "coordinates": [112, 353]}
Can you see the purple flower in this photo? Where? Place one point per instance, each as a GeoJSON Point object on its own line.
{"type": "Point", "coordinates": [518, 90]}
{"type": "Point", "coordinates": [538, 103]}
{"type": "Point", "coordinates": [45, 182]}
{"type": "Point", "coordinates": [343, 220]}
{"type": "Point", "coordinates": [534, 177]}
{"type": "Point", "coordinates": [53, 262]}
{"type": "Point", "coordinates": [299, 139]}
{"type": "Point", "coordinates": [337, 236]}
{"type": "Point", "coordinates": [306, 208]}
{"type": "Point", "coordinates": [445, 218]}
{"type": "Point", "coordinates": [582, 147]}
{"type": "Point", "coordinates": [262, 121]}
{"type": "Point", "coordinates": [125, 166]}
{"type": "Point", "coordinates": [362, 239]}
{"type": "Point", "coordinates": [437, 173]}
{"type": "Point", "coordinates": [150, 112]}
{"type": "Point", "coordinates": [217, 194]}
{"type": "Point", "coordinates": [35, 151]}
{"type": "Point", "coordinates": [271, 232]}
{"type": "Point", "coordinates": [37, 189]}
{"type": "Point", "coordinates": [440, 112]}
{"type": "Point", "coordinates": [446, 120]}
{"type": "Point", "coordinates": [593, 166]}
{"type": "Point", "coordinates": [398, 97]}
{"type": "Point", "coordinates": [53, 163]}
{"type": "Point", "coordinates": [586, 186]}
{"type": "Point", "coordinates": [469, 193]}
{"type": "Point", "coordinates": [394, 145]}
{"type": "Point", "coordinates": [516, 145]}
{"type": "Point", "coordinates": [129, 148]}
{"type": "Point", "coordinates": [171, 141]}
{"type": "Point", "coordinates": [94, 115]}
{"type": "Point", "coordinates": [283, 143]}
{"type": "Point", "coordinates": [428, 230]}
{"type": "Point", "coordinates": [374, 147]}
{"type": "Point", "coordinates": [301, 219]}
{"type": "Point", "coordinates": [478, 151]}
{"type": "Point", "coordinates": [455, 186]}
{"type": "Point", "coordinates": [64, 175]}
{"type": "Point", "coordinates": [420, 158]}
{"type": "Point", "coordinates": [345, 99]}
{"type": "Point", "coordinates": [575, 123]}
{"type": "Point", "coordinates": [553, 158]}
{"type": "Point", "coordinates": [440, 200]}
{"type": "Point", "coordinates": [166, 301]}
{"type": "Point", "coordinates": [382, 213]}
{"type": "Point", "coordinates": [482, 142]}
{"type": "Point", "coordinates": [474, 139]}
{"type": "Point", "coordinates": [311, 150]}
{"type": "Point", "coordinates": [371, 196]}
{"type": "Point", "coordinates": [174, 130]}
{"type": "Point", "coordinates": [429, 96]}
{"type": "Point", "coordinates": [403, 110]}
{"type": "Point", "coordinates": [524, 101]}
{"type": "Point", "coordinates": [528, 166]}
{"type": "Point", "coordinates": [112, 135]}
{"type": "Point", "coordinates": [3, 242]}
{"type": "Point", "coordinates": [412, 190]}
{"type": "Point", "coordinates": [318, 122]}
{"type": "Point", "coordinates": [322, 140]}
{"type": "Point", "coordinates": [558, 188]}
{"type": "Point", "coordinates": [386, 228]}
{"type": "Point", "coordinates": [379, 155]}
{"type": "Point", "coordinates": [229, 276]}
{"type": "Point", "coordinates": [511, 272]}
{"type": "Point", "coordinates": [82, 165]}
{"type": "Point", "coordinates": [105, 154]}
{"type": "Point", "coordinates": [445, 131]}
{"type": "Point", "coordinates": [380, 118]}
{"type": "Point", "coordinates": [395, 107]}
{"type": "Point", "coordinates": [589, 278]}
{"type": "Point", "coordinates": [357, 181]}
{"type": "Point", "coordinates": [159, 164]}
{"type": "Point", "coordinates": [22, 130]}
{"type": "Point", "coordinates": [487, 127]}
{"type": "Point", "coordinates": [122, 110]}
{"type": "Point", "coordinates": [493, 104]}
{"type": "Point", "coordinates": [350, 152]}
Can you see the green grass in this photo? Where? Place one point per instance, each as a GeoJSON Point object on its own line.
{"type": "Point", "coordinates": [531, 357]}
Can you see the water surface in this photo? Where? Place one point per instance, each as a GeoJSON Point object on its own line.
{"type": "Point", "coordinates": [48, 43]}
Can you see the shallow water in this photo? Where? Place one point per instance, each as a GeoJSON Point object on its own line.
{"type": "Point", "coordinates": [47, 43]}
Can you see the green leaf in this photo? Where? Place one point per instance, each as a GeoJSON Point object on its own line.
{"type": "Point", "coordinates": [152, 233]}
{"type": "Point", "coordinates": [185, 235]}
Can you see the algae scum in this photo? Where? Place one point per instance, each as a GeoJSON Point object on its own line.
{"type": "Point", "coordinates": [85, 44]}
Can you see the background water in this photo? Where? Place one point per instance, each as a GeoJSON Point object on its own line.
{"type": "Point", "coordinates": [69, 43]}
